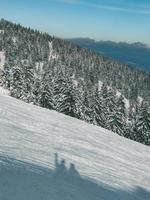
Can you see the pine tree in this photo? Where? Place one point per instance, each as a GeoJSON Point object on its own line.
{"type": "Point", "coordinates": [87, 109]}
{"type": "Point", "coordinates": [65, 95]}
{"type": "Point", "coordinates": [116, 114]}
{"type": "Point", "coordinates": [98, 109]}
{"type": "Point", "coordinates": [17, 82]}
{"type": "Point", "coordinates": [28, 81]}
{"type": "Point", "coordinates": [45, 96]}
{"type": "Point", "coordinates": [142, 124]}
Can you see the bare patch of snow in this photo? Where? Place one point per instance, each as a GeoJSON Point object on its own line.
{"type": "Point", "coordinates": [39, 66]}
{"type": "Point", "coordinates": [100, 83]}
{"type": "Point", "coordinates": [2, 59]}
{"type": "Point", "coordinates": [4, 92]}
{"type": "Point", "coordinates": [2, 31]}
{"type": "Point", "coordinates": [25, 61]}
{"type": "Point", "coordinates": [75, 82]}
{"type": "Point", "coordinates": [126, 101]}
{"type": "Point", "coordinates": [52, 54]}
{"type": "Point", "coordinates": [140, 99]}
{"type": "Point", "coordinates": [14, 39]}
{"type": "Point", "coordinates": [118, 93]}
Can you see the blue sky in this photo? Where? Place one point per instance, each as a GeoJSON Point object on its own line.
{"type": "Point", "coordinates": [117, 20]}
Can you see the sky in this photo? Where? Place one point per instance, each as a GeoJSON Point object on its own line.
{"type": "Point", "coordinates": [116, 20]}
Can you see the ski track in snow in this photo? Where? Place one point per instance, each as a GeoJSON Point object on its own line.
{"type": "Point", "coordinates": [33, 134]}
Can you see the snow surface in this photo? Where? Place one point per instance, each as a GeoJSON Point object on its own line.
{"type": "Point", "coordinates": [14, 39]}
{"type": "Point", "coordinates": [126, 101]}
{"type": "Point", "coordinates": [52, 54]}
{"type": "Point", "coordinates": [39, 66]}
{"type": "Point", "coordinates": [2, 31]}
{"type": "Point", "coordinates": [140, 99]}
{"type": "Point", "coordinates": [109, 167]}
{"type": "Point", "coordinates": [100, 83]}
{"type": "Point", "coordinates": [4, 91]}
{"type": "Point", "coordinates": [2, 59]}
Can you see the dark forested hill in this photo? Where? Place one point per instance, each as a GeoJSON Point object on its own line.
{"type": "Point", "coordinates": [57, 74]}
{"type": "Point", "coordinates": [135, 54]}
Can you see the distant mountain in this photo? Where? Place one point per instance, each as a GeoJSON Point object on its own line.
{"type": "Point", "coordinates": [135, 54]}
{"type": "Point", "coordinates": [58, 75]}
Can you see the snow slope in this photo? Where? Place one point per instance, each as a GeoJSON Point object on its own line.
{"type": "Point", "coordinates": [109, 167]}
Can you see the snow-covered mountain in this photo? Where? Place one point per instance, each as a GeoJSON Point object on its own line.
{"type": "Point", "coordinates": [55, 74]}
{"type": "Point", "coordinates": [104, 165]}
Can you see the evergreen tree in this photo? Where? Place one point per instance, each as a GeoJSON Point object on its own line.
{"type": "Point", "coordinates": [45, 96]}
{"type": "Point", "coordinates": [17, 82]}
{"type": "Point", "coordinates": [98, 109]}
{"type": "Point", "coordinates": [65, 96]}
{"type": "Point", "coordinates": [116, 114]}
{"type": "Point", "coordinates": [142, 124]}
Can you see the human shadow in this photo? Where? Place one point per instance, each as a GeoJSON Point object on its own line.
{"type": "Point", "coordinates": [24, 181]}
{"type": "Point", "coordinates": [61, 169]}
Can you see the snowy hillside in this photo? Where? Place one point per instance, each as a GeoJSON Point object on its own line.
{"type": "Point", "coordinates": [105, 165]}
{"type": "Point", "coordinates": [58, 75]}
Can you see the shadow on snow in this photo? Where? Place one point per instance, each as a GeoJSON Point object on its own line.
{"type": "Point", "coordinates": [23, 181]}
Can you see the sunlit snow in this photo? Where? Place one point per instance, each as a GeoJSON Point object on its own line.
{"type": "Point", "coordinates": [110, 167]}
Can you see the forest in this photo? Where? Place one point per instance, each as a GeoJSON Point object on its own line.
{"type": "Point", "coordinates": [56, 74]}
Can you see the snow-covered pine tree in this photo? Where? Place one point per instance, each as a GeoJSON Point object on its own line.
{"type": "Point", "coordinates": [142, 124]}
{"type": "Point", "coordinates": [121, 116]}
{"type": "Point", "coordinates": [28, 81]}
{"type": "Point", "coordinates": [5, 75]}
{"type": "Point", "coordinates": [98, 109]}
{"type": "Point", "coordinates": [45, 96]}
{"type": "Point", "coordinates": [17, 82]}
{"type": "Point", "coordinates": [64, 95]}
{"type": "Point", "coordinates": [116, 113]}
{"type": "Point", "coordinates": [87, 111]}
{"type": "Point", "coordinates": [36, 91]}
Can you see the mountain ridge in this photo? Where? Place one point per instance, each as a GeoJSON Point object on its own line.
{"type": "Point", "coordinates": [89, 40]}
{"type": "Point", "coordinates": [134, 54]}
